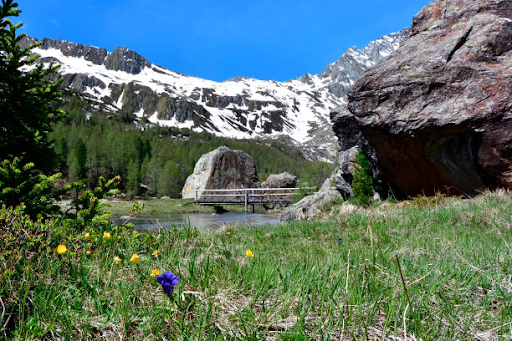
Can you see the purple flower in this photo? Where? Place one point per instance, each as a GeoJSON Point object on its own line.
{"type": "Point", "coordinates": [340, 240]}
{"type": "Point", "coordinates": [168, 281]}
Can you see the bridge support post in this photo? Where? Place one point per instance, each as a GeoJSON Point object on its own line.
{"type": "Point", "coordinates": [246, 200]}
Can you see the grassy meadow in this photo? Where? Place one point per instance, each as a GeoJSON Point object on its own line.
{"type": "Point", "coordinates": [158, 206]}
{"type": "Point", "coordinates": [427, 269]}
{"type": "Point", "coordinates": [166, 206]}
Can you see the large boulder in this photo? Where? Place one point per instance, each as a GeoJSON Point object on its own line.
{"type": "Point", "coordinates": [221, 168]}
{"type": "Point", "coordinates": [438, 112]}
{"type": "Point", "coordinates": [314, 206]}
{"type": "Point", "coordinates": [282, 180]}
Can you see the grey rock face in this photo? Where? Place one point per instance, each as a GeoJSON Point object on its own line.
{"type": "Point", "coordinates": [213, 100]}
{"type": "Point", "coordinates": [183, 109]}
{"type": "Point", "coordinates": [27, 40]}
{"type": "Point", "coordinates": [123, 59]}
{"type": "Point", "coordinates": [350, 140]}
{"type": "Point", "coordinates": [81, 82]}
{"type": "Point", "coordinates": [438, 112]}
{"type": "Point", "coordinates": [282, 180]}
{"type": "Point", "coordinates": [136, 97]}
{"type": "Point", "coordinates": [313, 205]}
{"type": "Point", "coordinates": [221, 168]}
{"type": "Point", "coordinates": [93, 54]}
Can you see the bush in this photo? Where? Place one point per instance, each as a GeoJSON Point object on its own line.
{"type": "Point", "coordinates": [22, 185]}
{"type": "Point", "coordinates": [88, 209]}
{"type": "Point", "coordinates": [36, 253]}
{"type": "Point", "coordinates": [363, 184]}
{"type": "Point", "coordinates": [36, 196]}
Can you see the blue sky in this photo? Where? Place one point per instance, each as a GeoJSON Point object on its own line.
{"type": "Point", "coordinates": [221, 39]}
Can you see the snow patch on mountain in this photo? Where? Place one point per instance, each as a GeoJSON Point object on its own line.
{"type": "Point", "coordinates": [238, 108]}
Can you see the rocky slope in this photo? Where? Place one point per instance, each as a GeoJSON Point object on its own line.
{"type": "Point", "coordinates": [438, 113]}
{"type": "Point", "coordinates": [123, 81]}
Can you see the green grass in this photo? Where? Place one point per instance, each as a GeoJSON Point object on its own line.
{"type": "Point", "coordinates": [164, 206]}
{"type": "Point", "coordinates": [431, 269]}
{"type": "Point", "coordinates": [158, 206]}
{"type": "Point", "coordinates": [167, 206]}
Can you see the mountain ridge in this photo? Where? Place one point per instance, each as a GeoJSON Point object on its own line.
{"type": "Point", "coordinates": [241, 107]}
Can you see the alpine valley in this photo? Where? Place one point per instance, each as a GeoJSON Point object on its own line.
{"type": "Point", "coordinates": [122, 81]}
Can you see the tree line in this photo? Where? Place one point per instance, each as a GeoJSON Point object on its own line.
{"type": "Point", "coordinates": [45, 129]}
{"type": "Point", "coordinates": [154, 160]}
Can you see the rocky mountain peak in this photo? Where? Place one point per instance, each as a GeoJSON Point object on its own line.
{"type": "Point", "coordinates": [238, 79]}
{"type": "Point", "coordinates": [94, 54]}
{"type": "Point", "coordinates": [339, 76]}
{"type": "Point", "coordinates": [124, 59]}
{"type": "Point", "coordinates": [307, 79]}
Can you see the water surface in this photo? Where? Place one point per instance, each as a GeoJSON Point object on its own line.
{"type": "Point", "coordinates": [199, 220]}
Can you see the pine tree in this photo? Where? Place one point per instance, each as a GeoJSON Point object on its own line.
{"type": "Point", "coordinates": [80, 152]}
{"type": "Point", "coordinates": [27, 98]}
{"type": "Point", "coordinates": [363, 182]}
{"type": "Point", "coordinates": [170, 182]}
{"type": "Point", "coordinates": [133, 178]}
{"type": "Point", "coordinates": [94, 155]}
{"type": "Point", "coordinates": [77, 161]}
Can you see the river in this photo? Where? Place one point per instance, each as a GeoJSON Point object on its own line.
{"type": "Point", "coordinates": [199, 220]}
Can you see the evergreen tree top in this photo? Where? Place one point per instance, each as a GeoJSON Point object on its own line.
{"type": "Point", "coordinates": [27, 98]}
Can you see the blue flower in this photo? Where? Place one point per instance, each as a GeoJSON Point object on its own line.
{"type": "Point", "coordinates": [168, 281]}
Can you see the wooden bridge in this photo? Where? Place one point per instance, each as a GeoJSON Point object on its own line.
{"type": "Point", "coordinates": [247, 196]}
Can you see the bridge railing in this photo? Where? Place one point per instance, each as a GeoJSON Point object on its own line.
{"type": "Point", "coordinates": [247, 196]}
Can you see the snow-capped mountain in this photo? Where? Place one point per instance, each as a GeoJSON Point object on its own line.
{"type": "Point", "coordinates": [123, 81]}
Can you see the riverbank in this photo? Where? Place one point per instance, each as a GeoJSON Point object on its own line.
{"type": "Point", "coordinates": [431, 268]}
{"type": "Point", "coordinates": [165, 206]}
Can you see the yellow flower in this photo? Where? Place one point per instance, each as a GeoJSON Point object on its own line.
{"type": "Point", "coordinates": [228, 233]}
{"type": "Point", "coordinates": [117, 260]}
{"type": "Point", "coordinates": [249, 253]}
{"type": "Point", "coordinates": [155, 272]}
{"type": "Point", "coordinates": [106, 235]}
{"type": "Point", "coordinates": [155, 253]}
{"type": "Point", "coordinates": [135, 258]}
{"type": "Point", "coordinates": [87, 236]}
{"type": "Point", "coordinates": [88, 252]}
{"type": "Point", "coordinates": [61, 249]}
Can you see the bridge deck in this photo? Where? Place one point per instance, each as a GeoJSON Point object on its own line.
{"type": "Point", "coordinates": [247, 196]}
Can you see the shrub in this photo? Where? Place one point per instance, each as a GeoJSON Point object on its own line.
{"type": "Point", "coordinates": [22, 185]}
{"type": "Point", "coordinates": [36, 253]}
{"type": "Point", "coordinates": [88, 209]}
{"type": "Point", "coordinates": [363, 184]}
{"type": "Point", "coordinates": [35, 194]}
